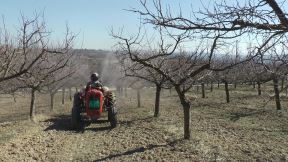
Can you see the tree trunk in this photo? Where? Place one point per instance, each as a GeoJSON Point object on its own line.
{"type": "Point", "coordinates": [186, 110]}
{"type": "Point", "coordinates": [276, 91]}
{"type": "Point", "coordinates": [197, 88]}
{"type": "Point", "coordinates": [227, 92]}
{"type": "Point", "coordinates": [70, 94]}
{"type": "Point", "coordinates": [282, 84]}
{"type": "Point", "coordinates": [138, 98]}
{"type": "Point", "coordinates": [286, 90]}
{"type": "Point", "coordinates": [63, 96]}
{"type": "Point", "coordinates": [118, 90]}
{"type": "Point", "coordinates": [32, 103]}
{"type": "Point", "coordinates": [211, 87]}
{"type": "Point", "coordinates": [157, 101]}
{"type": "Point", "coordinates": [254, 86]}
{"type": "Point", "coordinates": [203, 90]}
{"type": "Point", "coordinates": [235, 85]}
{"type": "Point", "coordinates": [52, 101]}
{"type": "Point", "coordinates": [259, 88]}
{"type": "Point", "coordinates": [218, 85]}
{"type": "Point", "coordinates": [126, 91]}
{"type": "Point", "coordinates": [122, 91]}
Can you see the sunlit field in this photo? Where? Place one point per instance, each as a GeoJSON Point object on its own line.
{"type": "Point", "coordinates": [247, 128]}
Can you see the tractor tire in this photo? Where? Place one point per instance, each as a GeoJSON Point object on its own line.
{"type": "Point", "coordinates": [76, 118]}
{"type": "Point", "coordinates": [112, 116]}
{"type": "Point", "coordinates": [77, 102]}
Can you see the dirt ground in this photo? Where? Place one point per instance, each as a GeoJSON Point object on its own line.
{"type": "Point", "coordinates": [247, 129]}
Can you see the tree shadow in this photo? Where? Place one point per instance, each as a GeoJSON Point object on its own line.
{"type": "Point", "coordinates": [237, 115]}
{"type": "Point", "coordinates": [139, 150]}
{"type": "Point", "coordinates": [211, 104]}
{"type": "Point", "coordinates": [129, 123]}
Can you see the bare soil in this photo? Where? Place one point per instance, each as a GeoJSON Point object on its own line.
{"type": "Point", "coordinates": [247, 129]}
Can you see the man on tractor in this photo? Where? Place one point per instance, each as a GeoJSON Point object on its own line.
{"type": "Point", "coordinates": [95, 83]}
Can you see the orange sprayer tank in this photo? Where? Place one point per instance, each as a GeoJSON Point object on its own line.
{"type": "Point", "coordinates": [94, 103]}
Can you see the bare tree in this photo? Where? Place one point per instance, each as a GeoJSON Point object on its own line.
{"type": "Point", "coordinates": [275, 63]}
{"type": "Point", "coordinates": [138, 85]}
{"type": "Point", "coordinates": [17, 52]}
{"type": "Point", "coordinates": [225, 22]}
{"type": "Point", "coordinates": [229, 75]}
{"type": "Point", "coordinates": [45, 74]}
{"type": "Point", "coordinates": [255, 72]}
{"type": "Point", "coordinates": [59, 80]}
{"type": "Point", "coordinates": [40, 60]}
{"type": "Point", "coordinates": [177, 68]}
{"type": "Point", "coordinates": [134, 69]}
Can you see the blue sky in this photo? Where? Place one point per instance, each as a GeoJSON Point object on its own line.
{"type": "Point", "coordinates": [92, 19]}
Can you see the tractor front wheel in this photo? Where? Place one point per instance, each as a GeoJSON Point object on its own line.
{"type": "Point", "coordinates": [112, 116]}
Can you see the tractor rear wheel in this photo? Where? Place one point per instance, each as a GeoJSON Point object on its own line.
{"type": "Point", "coordinates": [112, 116]}
{"type": "Point", "coordinates": [76, 118]}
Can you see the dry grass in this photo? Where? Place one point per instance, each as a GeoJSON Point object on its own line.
{"type": "Point", "coordinates": [247, 129]}
{"type": "Point", "coordinates": [17, 108]}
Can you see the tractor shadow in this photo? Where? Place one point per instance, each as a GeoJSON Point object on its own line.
{"type": "Point", "coordinates": [63, 123]}
{"type": "Point", "coordinates": [59, 123]}
{"type": "Point", "coordinates": [106, 128]}
{"type": "Point", "coordinates": [101, 128]}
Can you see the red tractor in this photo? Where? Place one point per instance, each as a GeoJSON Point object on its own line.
{"type": "Point", "coordinates": [91, 105]}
